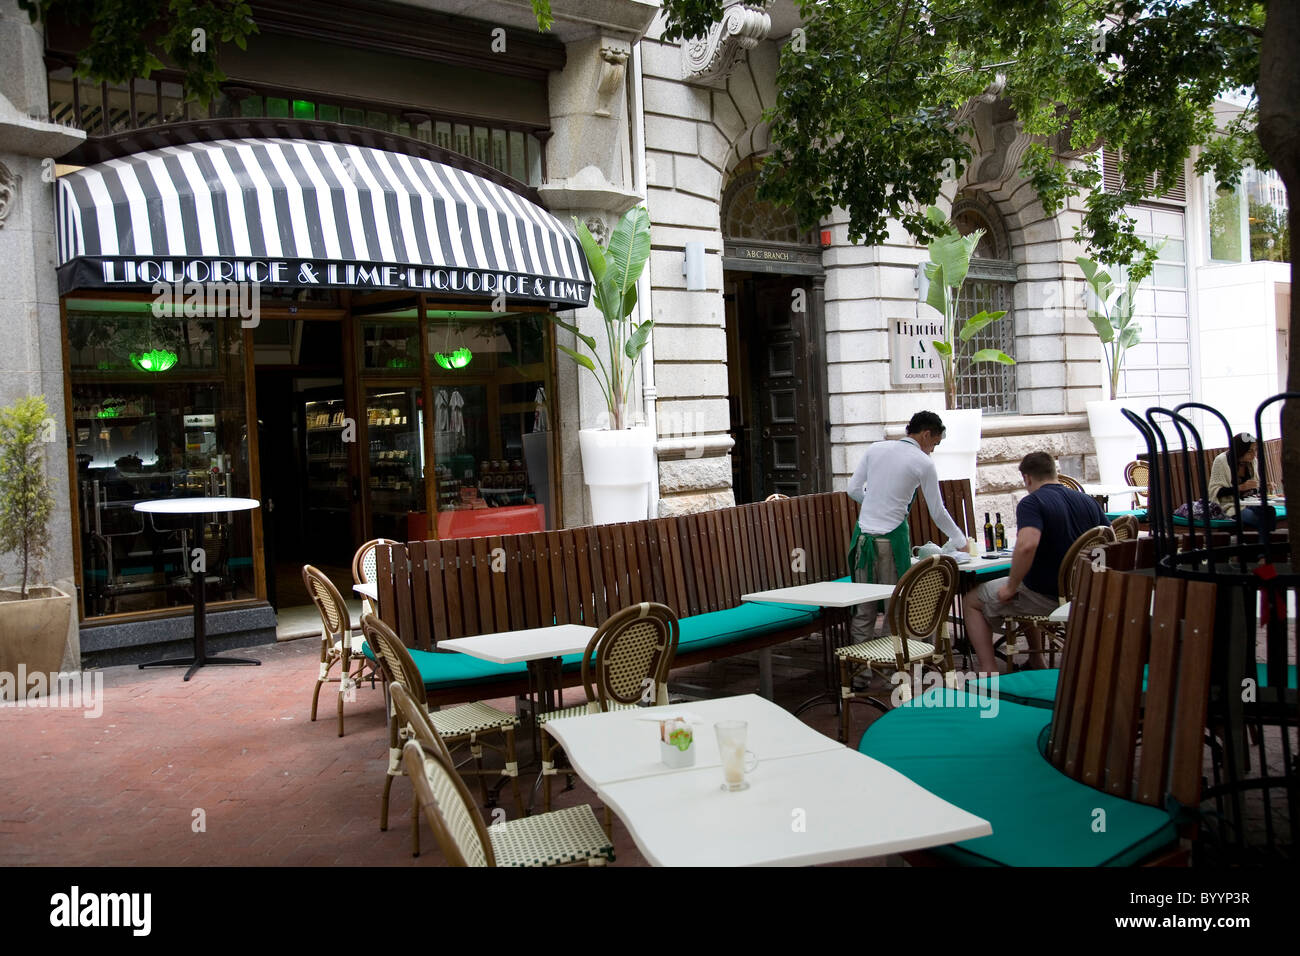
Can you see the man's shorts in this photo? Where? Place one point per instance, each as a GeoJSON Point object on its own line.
{"type": "Point", "coordinates": [1025, 603]}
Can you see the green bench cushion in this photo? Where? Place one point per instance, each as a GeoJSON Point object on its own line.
{"type": "Point", "coordinates": [702, 631]}
{"type": "Point", "coordinates": [1139, 513]}
{"type": "Point", "coordinates": [1038, 688]}
{"type": "Point", "coordinates": [698, 632]}
{"type": "Point", "coordinates": [991, 766]}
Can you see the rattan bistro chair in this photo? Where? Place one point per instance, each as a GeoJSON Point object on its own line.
{"type": "Point", "coordinates": [1125, 527]}
{"type": "Point", "coordinates": [457, 725]}
{"type": "Point", "coordinates": [1067, 576]}
{"type": "Point", "coordinates": [1137, 474]}
{"type": "Point", "coordinates": [918, 631]}
{"type": "Point", "coordinates": [1072, 483]}
{"type": "Point", "coordinates": [363, 569]}
{"type": "Point", "coordinates": [633, 648]}
{"type": "Point", "coordinates": [339, 644]}
{"type": "Point", "coordinates": [568, 836]}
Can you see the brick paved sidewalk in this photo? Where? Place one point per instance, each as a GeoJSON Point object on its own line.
{"type": "Point", "coordinates": [236, 743]}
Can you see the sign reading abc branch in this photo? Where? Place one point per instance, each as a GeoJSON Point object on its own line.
{"type": "Point", "coordinates": [912, 358]}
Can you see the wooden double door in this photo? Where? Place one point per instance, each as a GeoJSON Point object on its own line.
{"type": "Point", "coordinates": [777, 372]}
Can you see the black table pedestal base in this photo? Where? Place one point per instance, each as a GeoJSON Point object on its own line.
{"type": "Point", "coordinates": [195, 663]}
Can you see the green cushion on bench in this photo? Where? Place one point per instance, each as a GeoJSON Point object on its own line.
{"type": "Point", "coordinates": [1139, 513]}
{"type": "Point", "coordinates": [1031, 688]}
{"type": "Point", "coordinates": [452, 669]}
{"type": "Point", "coordinates": [702, 631]}
{"type": "Point", "coordinates": [991, 766]}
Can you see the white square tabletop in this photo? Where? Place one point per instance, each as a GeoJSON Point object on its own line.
{"type": "Point", "coordinates": [624, 744]}
{"type": "Point", "coordinates": [531, 644]}
{"type": "Point", "coordinates": [824, 594]}
{"type": "Point", "coordinates": [1061, 615]}
{"type": "Point", "coordinates": [812, 808]}
{"type": "Point", "coordinates": [370, 590]}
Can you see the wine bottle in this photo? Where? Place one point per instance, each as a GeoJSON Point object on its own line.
{"type": "Point", "coordinates": [1000, 534]}
{"type": "Point", "coordinates": [988, 533]}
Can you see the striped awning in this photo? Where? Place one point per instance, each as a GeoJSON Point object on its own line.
{"type": "Point", "coordinates": [303, 213]}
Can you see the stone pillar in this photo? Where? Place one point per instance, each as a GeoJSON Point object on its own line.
{"type": "Point", "coordinates": [31, 359]}
{"type": "Point", "coordinates": [589, 178]}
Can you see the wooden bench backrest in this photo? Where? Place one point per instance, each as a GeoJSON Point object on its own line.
{"type": "Point", "coordinates": [1183, 491]}
{"type": "Point", "coordinates": [1100, 711]}
{"type": "Point", "coordinates": [956, 495]}
{"type": "Point", "coordinates": [433, 590]}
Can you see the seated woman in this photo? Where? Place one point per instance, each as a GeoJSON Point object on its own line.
{"type": "Point", "coordinates": [1246, 480]}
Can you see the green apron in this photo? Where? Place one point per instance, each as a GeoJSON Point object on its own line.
{"type": "Point", "coordinates": [862, 550]}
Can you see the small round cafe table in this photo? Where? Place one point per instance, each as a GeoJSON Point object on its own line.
{"type": "Point", "coordinates": [199, 508]}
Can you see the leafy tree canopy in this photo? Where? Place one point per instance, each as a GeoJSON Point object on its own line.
{"type": "Point", "coordinates": [868, 100]}
{"type": "Point", "coordinates": [130, 38]}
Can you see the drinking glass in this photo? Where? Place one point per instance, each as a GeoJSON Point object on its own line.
{"type": "Point", "coordinates": [736, 760]}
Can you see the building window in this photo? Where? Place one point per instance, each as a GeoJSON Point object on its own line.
{"type": "Point", "coordinates": [1227, 227]}
{"type": "Point", "coordinates": [989, 285]}
{"type": "Point", "coordinates": [158, 412]}
{"type": "Point", "coordinates": [745, 216]}
{"type": "Point", "coordinates": [987, 385]}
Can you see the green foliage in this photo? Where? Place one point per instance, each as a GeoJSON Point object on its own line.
{"type": "Point", "coordinates": [132, 38]}
{"type": "Point", "coordinates": [1112, 315]}
{"type": "Point", "coordinates": [542, 11]}
{"type": "Point", "coordinates": [25, 499]}
{"type": "Point", "coordinates": [867, 114]}
{"type": "Point", "coordinates": [1270, 233]}
{"type": "Point", "coordinates": [614, 272]}
{"type": "Point", "coordinates": [950, 255]}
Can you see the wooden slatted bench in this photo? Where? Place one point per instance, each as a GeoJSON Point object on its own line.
{"type": "Point", "coordinates": [699, 565]}
{"type": "Point", "coordinates": [1112, 776]}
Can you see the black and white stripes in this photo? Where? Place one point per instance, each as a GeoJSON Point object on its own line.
{"type": "Point", "coordinates": [296, 201]}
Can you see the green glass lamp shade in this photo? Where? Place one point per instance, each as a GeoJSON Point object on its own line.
{"type": "Point", "coordinates": [457, 359]}
{"type": "Point", "coordinates": [155, 360]}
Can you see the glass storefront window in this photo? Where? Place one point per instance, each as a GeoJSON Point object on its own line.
{"type": "Point", "coordinates": [1226, 218]}
{"type": "Point", "coordinates": [492, 447]}
{"type": "Point", "coordinates": [158, 408]}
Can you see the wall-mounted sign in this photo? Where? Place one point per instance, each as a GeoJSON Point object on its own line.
{"type": "Point", "coordinates": [912, 358]}
{"type": "Point", "coordinates": [200, 421]}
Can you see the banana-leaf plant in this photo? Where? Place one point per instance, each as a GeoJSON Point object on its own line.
{"type": "Point", "coordinates": [615, 269]}
{"type": "Point", "coordinates": [950, 256]}
{"type": "Point", "coordinates": [1112, 315]}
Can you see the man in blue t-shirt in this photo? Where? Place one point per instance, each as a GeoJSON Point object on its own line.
{"type": "Point", "coordinates": [1048, 520]}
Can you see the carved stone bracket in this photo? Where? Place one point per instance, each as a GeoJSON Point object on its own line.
{"type": "Point", "coordinates": [8, 192]}
{"type": "Point", "coordinates": [709, 59]}
{"type": "Point", "coordinates": [1002, 162]}
{"type": "Point", "coordinates": [612, 67]}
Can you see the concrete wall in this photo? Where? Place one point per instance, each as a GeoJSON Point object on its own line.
{"type": "Point", "coordinates": [31, 356]}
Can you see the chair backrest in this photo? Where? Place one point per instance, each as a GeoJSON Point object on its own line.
{"type": "Point", "coordinates": [922, 601]}
{"type": "Point", "coordinates": [636, 645]}
{"type": "Point", "coordinates": [1138, 473]}
{"type": "Point", "coordinates": [776, 496]}
{"type": "Point", "coordinates": [363, 562]}
{"type": "Point", "coordinates": [1125, 527]}
{"type": "Point", "coordinates": [956, 495]}
{"type": "Point", "coordinates": [441, 795]}
{"type": "Point", "coordinates": [394, 659]}
{"type": "Point", "coordinates": [1101, 712]}
{"type": "Point", "coordinates": [1068, 573]}
{"type": "Point", "coordinates": [413, 717]}
{"type": "Point", "coordinates": [1072, 483]}
{"type": "Point", "coordinates": [333, 611]}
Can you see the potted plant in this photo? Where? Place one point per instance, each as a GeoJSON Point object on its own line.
{"type": "Point", "coordinates": [945, 274]}
{"type": "Point", "coordinates": [34, 619]}
{"type": "Point", "coordinates": [1110, 309]}
{"type": "Point", "coordinates": [617, 460]}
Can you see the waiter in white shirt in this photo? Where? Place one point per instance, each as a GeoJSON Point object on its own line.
{"type": "Point", "coordinates": [886, 481]}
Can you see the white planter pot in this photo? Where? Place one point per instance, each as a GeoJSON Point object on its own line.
{"type": "Point", "coordinates": [618, 467]}
{"type": "Point", "coordinates": [33, 632]}
{"type": "Point", "coordinates": [1117, 441]}
{"type": "Point", "coordinates": [957, 453]}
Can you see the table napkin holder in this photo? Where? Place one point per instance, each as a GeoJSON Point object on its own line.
{"type": "Point", "coordinates": [676, 744]}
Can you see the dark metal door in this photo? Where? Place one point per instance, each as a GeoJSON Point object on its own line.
{"type": "Point", "coordinates": [785, 391]}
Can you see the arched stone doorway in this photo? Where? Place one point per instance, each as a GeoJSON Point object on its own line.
{"type": "Point", "coordinates": [774, 292]}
